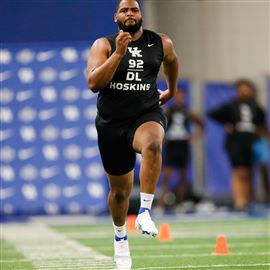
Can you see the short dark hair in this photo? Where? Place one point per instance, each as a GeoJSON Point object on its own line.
{"type": "Point", "coordinates": [119, 2]}
{"type": "Point", "coordinates": [246, 82]}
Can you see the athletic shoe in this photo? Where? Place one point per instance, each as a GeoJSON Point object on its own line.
{"type": "Point", "coordinates": [145, 224]}
{"type": "Point", "coordinates": [121, 253]}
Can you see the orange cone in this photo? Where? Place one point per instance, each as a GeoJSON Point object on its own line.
{"type": "Point", "coordinates": [131, 223]}
{"type": "Point", "coordinates": [221, 246]}
{"type": "Point", "coordinates": [165, 232]}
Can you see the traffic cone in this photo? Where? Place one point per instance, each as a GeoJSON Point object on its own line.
{"type": "Point", "coordinates": [165, 232]}
{"type": "Point", "coordinates": [131, 223]}
{"type": "Point", "coordinates": [221, 246]}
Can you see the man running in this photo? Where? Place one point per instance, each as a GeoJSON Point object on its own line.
{"type": "Point", "coordinates": [123, 69]}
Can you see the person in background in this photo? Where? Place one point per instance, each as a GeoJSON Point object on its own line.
{"type": "Point", "coordinates": [243, 120]}
{"type": "Point", "coordinates": [261, 158]}
{"type": "Point", "coordinates": [178, 137]}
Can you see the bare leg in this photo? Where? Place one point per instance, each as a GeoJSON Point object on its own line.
{"type": "Point", "coordinates": [181, 191]}
{"type": "Point", "coordinates": [148, 140]}
{"type": "Point", "coordinates": [118, 199]}
{"type": "Point", "coordinates": [167, 171]}
{"type": "Point", "coordinates": [242, 187]}
{"type": "Point", "coordinates": [265, 182]}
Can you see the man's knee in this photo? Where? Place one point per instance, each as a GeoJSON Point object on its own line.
{"type": "Point", "coordinates": [153, 147]}
{"type": "Point", "coordinates": [119, 196]}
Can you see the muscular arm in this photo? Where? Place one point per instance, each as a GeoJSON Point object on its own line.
{"type": "Point", "coordinates": [170, 68]}
{"type": "Point", "coordinates": [262, 128]}
{"type": "Point", "coordinates": [200, 125]}
{"type": "Point", "coordinates": [221, 114]}
{"type": "Point", "coordinates": [101, 66]}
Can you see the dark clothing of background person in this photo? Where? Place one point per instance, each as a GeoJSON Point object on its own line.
{"type": "Point", "coordinates": [177, 149]}
{"type": "Point", "coordinates": [243, 119]}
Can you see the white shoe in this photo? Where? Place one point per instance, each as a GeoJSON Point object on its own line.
{"type": "Point", "coordinates": [122, 255]}
{"type": "Point", "coordinates": [145, 224]}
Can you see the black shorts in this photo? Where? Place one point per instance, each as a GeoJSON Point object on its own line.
{"type": "Point", "coordinates": [239, 149]}
{"type": "Point", "coordinates": [177, 154]}
{"type": "Point", "coordinates": [115, 141]}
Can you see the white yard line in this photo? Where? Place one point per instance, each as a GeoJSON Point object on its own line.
{"type": "Point", "coordinates": [170, 245]}
{"type": "Point", "coordinates": [160, 256]}
{"type": "Point", "coordinates": [175, 234]}
{"type": "Point", "coordinates": [47, 249]}
{"type": "Point", "coordinates": [206, 266]}
{"type": "Point", "coordinates": [187, 255]}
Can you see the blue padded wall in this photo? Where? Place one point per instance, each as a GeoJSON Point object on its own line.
{"type": "Point", "coordinates": [56, 20]}
{"type": "Point", "coordinates": [49, 157]}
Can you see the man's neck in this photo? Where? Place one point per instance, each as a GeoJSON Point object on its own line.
{"type": "Point", "coordinates": [137, 35]}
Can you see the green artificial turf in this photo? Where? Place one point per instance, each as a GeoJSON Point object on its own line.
{"type": "Point", "coordinates": [191, 247]}
{"type": "Point", "coordinates": [11, 259]}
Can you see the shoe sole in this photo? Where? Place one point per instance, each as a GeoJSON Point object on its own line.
{"type": "Point", "coordinates": [122, 267]}
{"type": "Point", "coordinates": [145, 233]}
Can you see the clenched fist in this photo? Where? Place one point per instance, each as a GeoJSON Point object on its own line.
{"type": "Point", "coordinates": [122, 41]}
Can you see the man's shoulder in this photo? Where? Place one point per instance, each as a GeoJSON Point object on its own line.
{"type": "Point", "coordinates": [106, 38]}
{"type": "Point", "coordinates": [151, 33]}
{"type": "Point", "coordinates": [102, 44]}
{"type": "Point", "coordinates": [151, 36]}
{"type": "Point", "coordinates": [230, 104]}
{"type": "Point", "coordinates": [111, 37]}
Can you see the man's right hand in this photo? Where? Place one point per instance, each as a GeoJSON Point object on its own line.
{"type": "Point", "coordinates": [122, 41]}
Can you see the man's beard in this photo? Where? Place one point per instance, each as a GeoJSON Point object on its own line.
{"type": "Point", "coordinates": [132, 29]}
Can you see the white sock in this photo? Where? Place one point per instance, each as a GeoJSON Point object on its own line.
{"type": "Point", "coordinates": [120, 231]}
{"type": "Point", "coordinates": [146, 200]}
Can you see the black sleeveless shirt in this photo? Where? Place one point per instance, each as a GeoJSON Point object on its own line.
{"type": "Point", "coordinates": [132, 90]}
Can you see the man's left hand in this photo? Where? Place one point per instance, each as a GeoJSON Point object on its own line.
{"type": "Point", "coordinates": [164, 96]}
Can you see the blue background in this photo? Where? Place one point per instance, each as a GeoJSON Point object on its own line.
{"type": "Point", "coordinates": [56, 20]}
